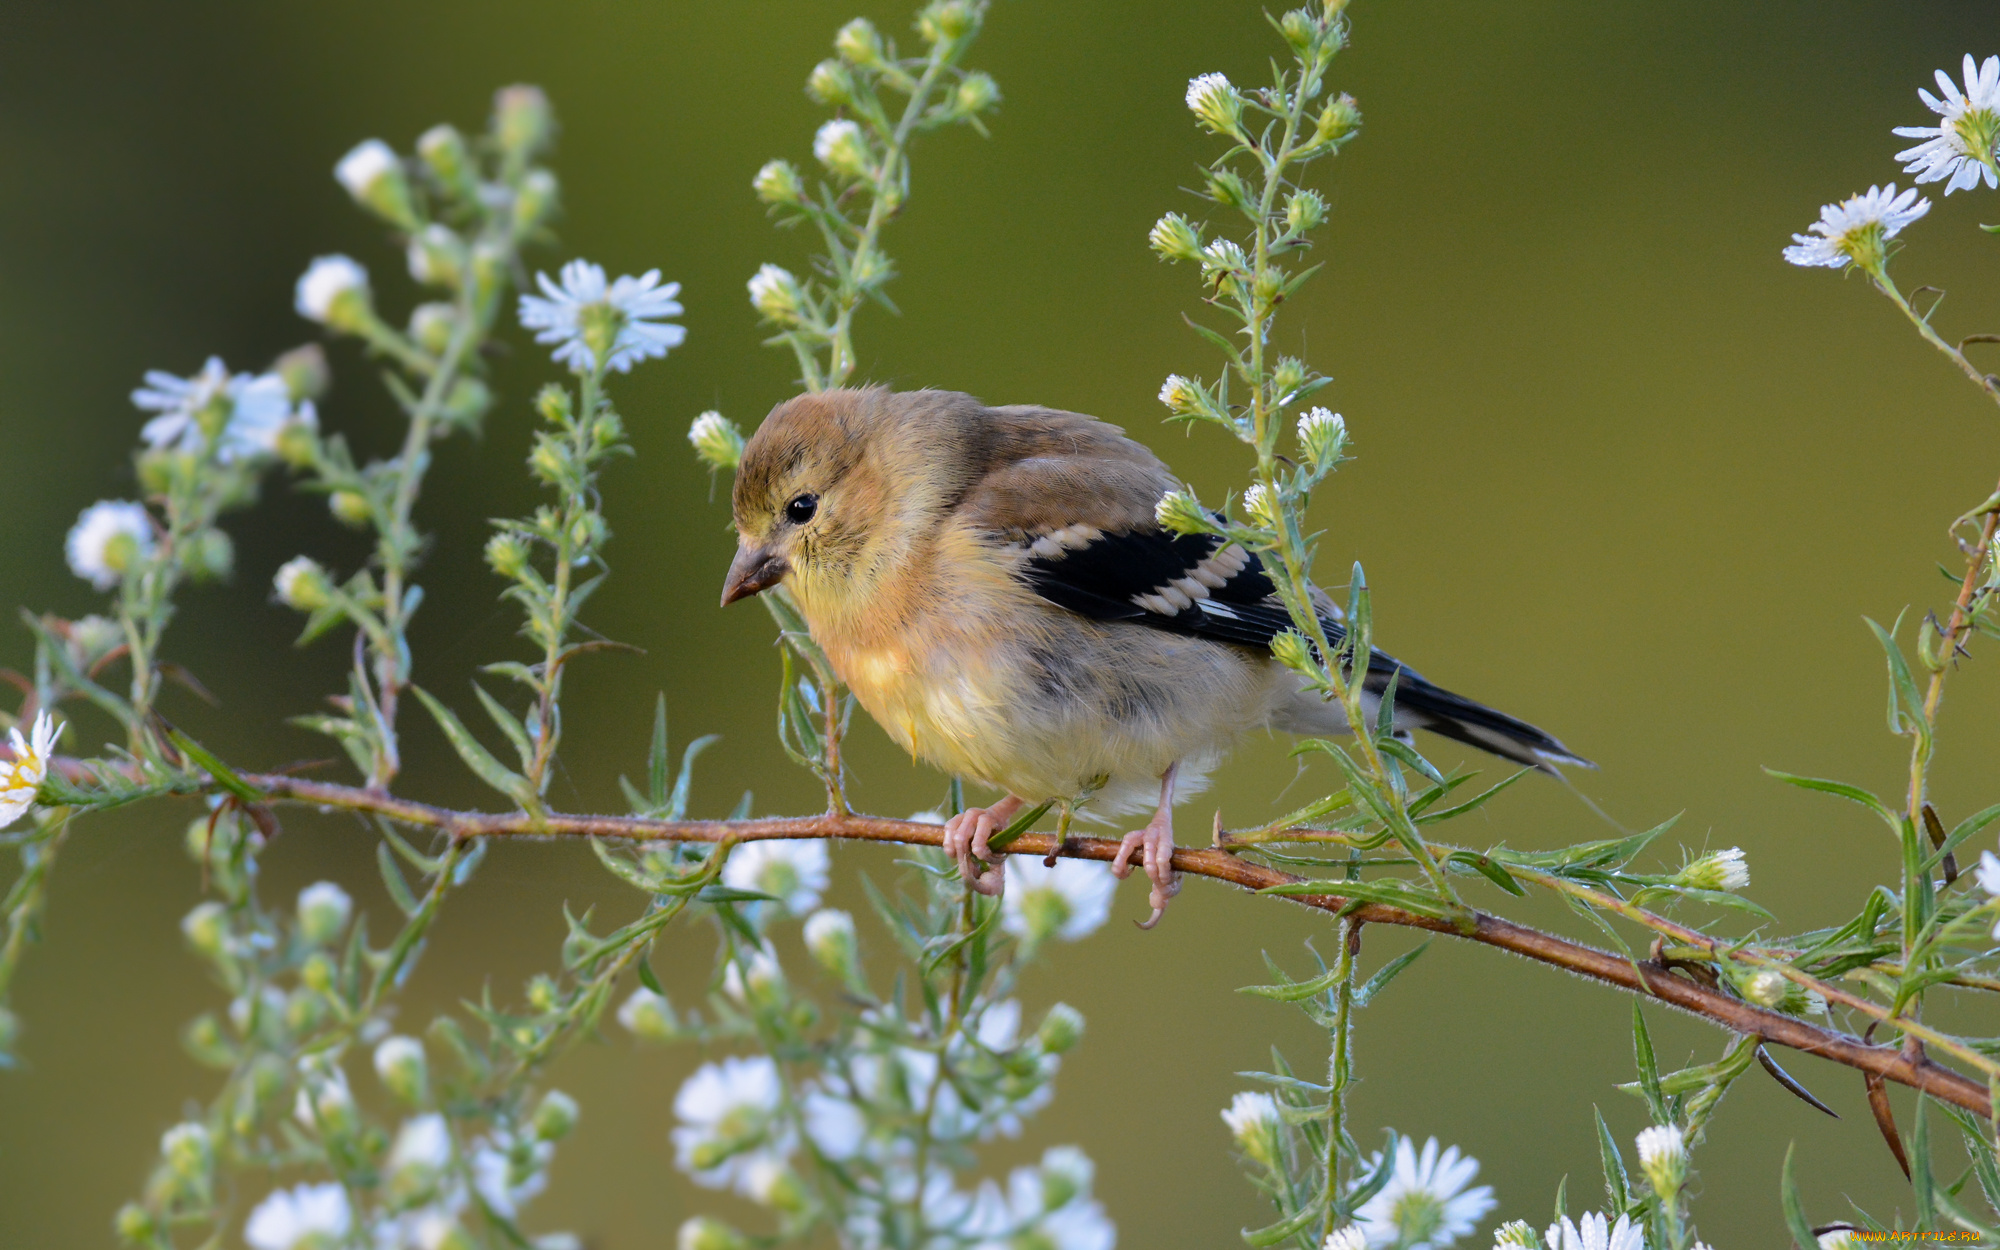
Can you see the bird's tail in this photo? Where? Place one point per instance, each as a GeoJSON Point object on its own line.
{"type": "Point", "coordinates": [1420, 705]}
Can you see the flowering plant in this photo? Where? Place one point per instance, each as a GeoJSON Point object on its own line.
{"type": "Point", "coordinates": [853, 1101]}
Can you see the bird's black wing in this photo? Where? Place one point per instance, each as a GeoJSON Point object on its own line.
{"type": "Point", "coordinates": [1201, 585]}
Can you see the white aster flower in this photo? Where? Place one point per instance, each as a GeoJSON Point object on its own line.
{"type": "Point", "coordinates": [399, 1061]}
{"type": "Point", "coordinates": [243, 414]}
{"type": "Point", "coordinates": [589, 318]}
{"type": "Point", "coordinates": [1855, 229]}
{"type": "Point", "coordinates": [423, 1142]}
{"type": "Point", "coordinates": [794, 871]}
{"type": "Point", "coordinates": [1253, 1121]}
{"type": "Point", "coordinates": [1349, 1238]}
{"type": "Point", "coordinates": [1595, 1232]}
{"type": "Point", "coordinates": [507, 1170]}
{"type": "Point", "coordinates": [320, 291]}
{"type": "Point", "coordinates": [1989, 872]}
{"type": "Point", "coordinates": [21, 776]}
{"type": "Point", "coordinates": [1426, 1204]}
{"type": "Point", "coordinates": [1071, 900]}
{"type": "Point", "coordinates": [648, 1015]}
{"type": "Point", "coordinates": [1060, 1215]}
{"type": "Point", "coordinates": [300, 1217]}
{"type": "Point", "coordinates": [1663, 1158]}
{"type": "Point", "coordinates": [1259, 503]}
{"type": "Point", "coordinates": [1323, 435]}
{"type": "Point", "coordinates": [837, 1127]}
{"type": "Point", "coordinates": [1181, 396]}
{"type": "Point", "coordinates": [753, 974]}
{"type": "Point", "coordinates": [1962, 146]}
{"type": "Point", "coordinates": [108, 538]}
{"type": "Point", "coordinates": [726, 1127]}
{"type": "Point", "coordinates": [1224, 256]}
{"type": "Point", "coordinates": [829, 936]}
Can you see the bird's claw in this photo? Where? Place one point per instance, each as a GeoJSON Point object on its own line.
{"type": "Point", "coordinates": [1155, 847]}
{"type": "Point", "coordinates": [967, 838]}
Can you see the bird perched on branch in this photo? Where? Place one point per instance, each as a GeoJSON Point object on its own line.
{"type": "Point", "coordinates": [993, 586]}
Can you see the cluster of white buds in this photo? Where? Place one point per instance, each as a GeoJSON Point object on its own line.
{"type": "Point", "coordinates": [1322, 437]}
{"type": "Point", "coordinates": [717, 442]}
{"type": "Point", "coordinates": [1716, 870]}
{"type": "Point", "coordinates": [1216, 103]}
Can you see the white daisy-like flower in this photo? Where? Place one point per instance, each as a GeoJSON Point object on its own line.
{"type": "Point", "coordinates": [1854, 230]}
{"type": "Point", "coordinates": [1595, 1232]}
{"type": "Point", "coordinates": [423, 1142]}
{"type": "Point", "coordinates": [586, 315]}
{"type": "Point", "coordinates": [304, 1215]}
{"type": "Point", "coordinates": [507, 1170]}
{"type": "Point", "coordinates": [1180, 395]}
{"type": "Point", "coordinates": [22, 775]}
{"type": "Point", "coordinates": [108, 538]}
{"type": "Point", "coordinates": [1064, 1217]}
{"type": "Point", "coordinates": [1071, 900]}
{"type": "Point", "coordinates": [752, 974]}
{"type": "Point", "coordinates": [399, 1061]}
{"type": "Point", "coordinates": [726, 1127]}
{"type": "Point", "coordinates": [794, 871]}
{"type": "Point", "coordinates": [648, 1015]}
{"type": "Point", "coordinates": [1717, 870]}
{"type": "Point", "coordinates": [246, 414]}
{"type": "Point", "coordinates": [1661, 1145]}
{"type": "Point", "coordinates": [1224, 256]}
{"type": "Point", "coordinates": [1426, 1204]}
{"type": "Point", "coordinates": [1349, 1238]}
{"type": "Point", "coordinates": [1323, 434]}
{"type": "Point", "coordinates": [1259, 504]}
{"type": "Point", "coordinates": [1253, 1121]}
{"type": "Point", "coordinates": [1963, 146]}
{"type": "Point", "coordinates": [1989, 872]}
{"type": "Point", "coordinates": [324, 282]}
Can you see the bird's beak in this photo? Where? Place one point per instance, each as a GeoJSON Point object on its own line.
{"type": "Point", "coordinates": [753, 570]}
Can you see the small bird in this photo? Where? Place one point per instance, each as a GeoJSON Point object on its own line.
{"type": "Point", "coordinates": [993, 586]}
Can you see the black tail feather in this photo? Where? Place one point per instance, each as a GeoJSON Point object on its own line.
{"type": "Point", "coordinates": [1420, 705]}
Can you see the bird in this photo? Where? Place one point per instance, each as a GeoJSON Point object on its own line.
{"type": "Point", "coordinates": [994, 587]}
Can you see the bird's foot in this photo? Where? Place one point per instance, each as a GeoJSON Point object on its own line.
{"type": "Point", "coordinates": [967, 837]}
{"type": "Point", "coordinates": [1155, 847]}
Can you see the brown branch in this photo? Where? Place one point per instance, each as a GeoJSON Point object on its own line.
{"type": "Point", "coordinates": [1645, 977]}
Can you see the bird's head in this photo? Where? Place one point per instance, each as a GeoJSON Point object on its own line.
{"type": "Point", "coordinates": [838, 491]}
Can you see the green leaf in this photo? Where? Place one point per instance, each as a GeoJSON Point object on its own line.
{"type": "Point", "coordinates": [1617, 1186]}
{"type": "Point", "coordinates": [1903, 688]}
{"type": "Point", "coordinates": [1649, 1067]}
{"type": "Point", "coordinates": [1406, 753]}
{"type": "Point", "coordinates": [1922, 1184]}
{"type": "Point", "coordinates": [1795, 1211]}
{"type": "Point", "coordinates": [428, 865]}
{"type": "Point", "coordinates": [1388, 972]}
{"type": "Point", "coordinates": [1391, 893]}
{"type": "Point", "coordinates": [476, 757]}
{"type": "Point", "coordinates": [1272, 1234]}
{"type": "Point", "coordinates": [1854, 794]}
{"type": "Point", "coordinates": [647, 977]}
{"type": "Point", "coordinates": [399, 889]}
{"type": "Point", "coordinates": [1018, 826]}
{"type": "Point", "coordinates": [731, 894]}
{"type": "Point", "coordinates": [677, 802]}
{"type": "Point", "coordinates": [507, 723]}
{"type": "Point", "coordinates": [1486, 868]}
{"type": "Point", "coordinates": [1472, 804]}
{"type": "Point", "coordinates": [214, 767]}
{"type": "Point", "coordinates": [1293, 991]}
{"type": "Point", "coordinates": [656, 757]}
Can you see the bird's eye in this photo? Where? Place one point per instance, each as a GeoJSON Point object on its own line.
{"type": "Point", "coordinates": [801, 509]}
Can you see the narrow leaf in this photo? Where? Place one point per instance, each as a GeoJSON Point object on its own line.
{"type": "Point", "coordinates": [1795, 1211]}
{"type": "Point", "coordinates": [476, 757]}
{"type": "Point", "coordinates": [392, 877]}
{"type": "Point", "coordinates": [1388, 972]}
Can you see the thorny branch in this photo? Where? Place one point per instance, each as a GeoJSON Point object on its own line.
{"type": "Point", "coordinates": [1910, 1068]}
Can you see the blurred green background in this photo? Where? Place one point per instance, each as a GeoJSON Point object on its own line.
{"type": "Point", "coordinates": [1621, 471]}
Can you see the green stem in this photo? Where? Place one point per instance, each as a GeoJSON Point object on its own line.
{"type": "Point", "coordinates": [1339, 1064]}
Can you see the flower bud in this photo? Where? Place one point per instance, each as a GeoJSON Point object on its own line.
{"type": "Point", "coordinates": [1299, 28]}
{"type": "Point", "coordinates": [204, 1040]}
{"type": "Point", "coordinates": [317, 973]}
{"type": "Point", "coordinates": [778, 183]}
{"type": "Point", "coordinates": [1767, 987]}
{"type": "Point", "coordinates": [976, 93]}
{"type": "Point", "coordinates": [133, 1225]}
{"type": "Point", "coordinates": [437, 256]}
{"type": "Point", "coordinates": [706, 1233]}
{"type": "Point", "coordinates": [421, 1153]}
{"type": "Point", "coordinates": [444, 152]}
{"type": "Point", "coordinates": [324, 1104]}
{"type": "Point", "coordinates": [1061, 1029]}
{"type": "Point", "coordinates": [187, 1152]}
{"type": "Point", "coordinates": [842, 148]}
{"type": "Point", "coordinates": [543, 993]}
{"type": "Point", "coordinates": [1182, 396]}
{"type": "Point", "coordinates": [554, 1116]}
{"type": "Point", "coordinates": [1223, 258]}
{"type": "Point", "coordinates": [324, 909]}
{"type": "Point", "coordinates": [207, 929]}
{"type": "Point", "coordinates": [1322, 436]}
{"type": "Point", "coordinates": [1174, 239]}
{"type": "Point", "coordinates": [1663, 1158]}
{"type": "Point", "coordinates": [350, 508]}
{"type": "Point", "coordinates": [374, 176]}
{"type": "Point", "coordinates": [1516, 1233]}
{"type": "Point", "coordinates": [944, 20]}
{"type": "Point", "coordinates": [466, 402]}
{"type": "Point", "coordinates": [649, 1016]}
{"type": "Point", "coordinates": [210, 556]}
{"type": "Point", "coordinates": [717, 442]}
{"type": "Point", "coordinates": [1304, 210]}
{"type": "Point", "coordinates": [1717, 870]}
{"type": "Point", "coordinates": [1337, 121]}
{"type": "Point", "coordinates": [1181, 513]}
{"type": "Point", "coordinates": [775, 293]}
{"type": "Point", "coordinates": [536, 200]}
{"type": "Point", "coordinates": [1253, 1121]}
{"type": "Point", "coordinates": [304, 372]}
{"type": "Point", "coordinates": [522, 120]}
{"type": "Point", "coordinates": [830, 84]}
{"type": "Point", "coordinates": [399, 1062]}
{"type": "Point", "coordinates": [1216, 103]}
{"type": "Point", "coordinates": [870, 268]}
{"type": "Point", "coordinates": [431, 326]}
{"type": "Point", "coordinates": [773, 1185]}
{"type": "Point", "coordinates": [858, 43]}
{"type": "Point", "coordinates": [490, 264]}
{"type": "Point", "coordinates": [1262, 506]}
{"type": "Point", "coordinates": [302, 585]}
{"type": "Point", "coordinates": [334, 292]}
{"type": "Point", "coordinates": [507, 555]}
{"type": "Point", "coordinates": [1349, 1238]}
{"type": "Point", "coordinates": [1228, 189]}
{"type": "Point", "coordinates": [1291, 649]}
{"type": "Point", "coordinates": [829, 936]}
